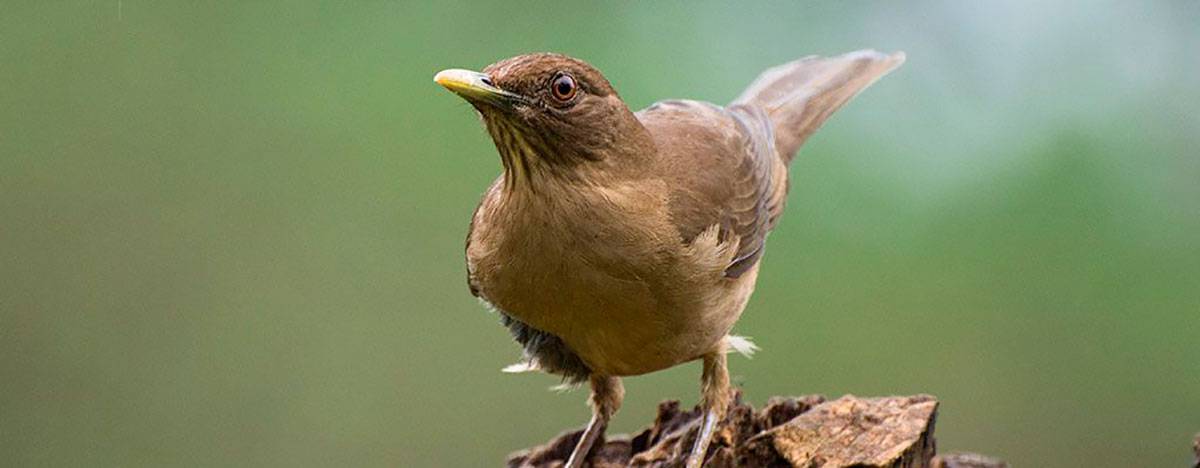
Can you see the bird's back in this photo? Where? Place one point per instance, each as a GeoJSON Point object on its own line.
{"type": "Point", "coordinates": [727, 166]}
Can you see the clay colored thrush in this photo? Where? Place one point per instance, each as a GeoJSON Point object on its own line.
{"type": "Point", "coordinates": [617, 243]}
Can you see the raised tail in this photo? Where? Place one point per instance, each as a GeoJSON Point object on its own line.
{"type": "Point", "coordinates": [799, 96]}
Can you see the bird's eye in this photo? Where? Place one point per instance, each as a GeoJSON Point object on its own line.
{"type": "Point", "coordinates": [563, 87]}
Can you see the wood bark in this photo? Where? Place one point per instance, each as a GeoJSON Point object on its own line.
{"type": "Point", "coordinates": [807, 431]}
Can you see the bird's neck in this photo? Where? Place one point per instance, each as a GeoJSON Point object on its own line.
{"type": "Point", "coordinates": [533, 164]}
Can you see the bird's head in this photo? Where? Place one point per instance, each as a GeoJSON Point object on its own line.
{"type": "Point", "coordinates": [547, 113]}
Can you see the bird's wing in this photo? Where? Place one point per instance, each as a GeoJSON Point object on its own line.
{"type": "Point", "coordinates": [723, 169]}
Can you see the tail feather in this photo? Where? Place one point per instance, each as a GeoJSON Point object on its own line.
{"type": "Point", "coordinates": [799, 96]}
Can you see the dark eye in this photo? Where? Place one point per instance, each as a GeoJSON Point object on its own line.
{"type": "Point", "coordinates": [563, 87]}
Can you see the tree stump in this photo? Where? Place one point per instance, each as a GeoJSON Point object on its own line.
{"type": "Point", "coordinates": [807, 431]}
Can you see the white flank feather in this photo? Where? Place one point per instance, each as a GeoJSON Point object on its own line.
{"type": "Point", "coordinates": [520, 367]}
{"type": "Point", "coordinates": [740, 344]}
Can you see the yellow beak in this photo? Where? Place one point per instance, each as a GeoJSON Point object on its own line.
{"type": "Point", "coordinates": [475, 87]}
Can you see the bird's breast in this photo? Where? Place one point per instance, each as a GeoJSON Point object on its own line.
{"type": "Point", "coordinates": [607, 274]}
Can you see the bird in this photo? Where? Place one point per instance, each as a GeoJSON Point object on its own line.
{"type": "Point", "coordinates": [616, 243]}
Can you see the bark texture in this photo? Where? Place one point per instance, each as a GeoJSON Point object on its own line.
{"type": "Point", "coordinates": [807, 431]}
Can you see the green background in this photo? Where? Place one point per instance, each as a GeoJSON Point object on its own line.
{"type": "Point", "coordinates": [231, 233]}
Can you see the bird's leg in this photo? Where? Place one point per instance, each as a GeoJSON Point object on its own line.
{"type": "Point", "coordinates": [715, 396]}
{"type": "Point", "coordinates": [607, 393]}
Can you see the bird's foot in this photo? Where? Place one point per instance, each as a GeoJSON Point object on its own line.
{"type": "Point", "coordinates": [703, 439]}
{"type": "Point", "coordinates": [607, 393]}
{"type": "Point", "coordinates": [595, 427]}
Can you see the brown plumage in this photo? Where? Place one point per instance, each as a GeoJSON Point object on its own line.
{"type": "Point", "coordinates": [618, 243]}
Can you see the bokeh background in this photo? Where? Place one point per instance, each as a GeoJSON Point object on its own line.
{"type": "Point", "coordinates": [231, 233]}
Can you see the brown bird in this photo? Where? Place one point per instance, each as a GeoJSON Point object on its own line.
{"type": "Point", "coordinates": [617, 243]}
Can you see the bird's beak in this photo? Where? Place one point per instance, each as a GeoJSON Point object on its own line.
{"type": "Point", "coordinates": [475, 87]}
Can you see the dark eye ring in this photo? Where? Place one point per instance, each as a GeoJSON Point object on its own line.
{"type": "Point", "coordinates": [563, 87]}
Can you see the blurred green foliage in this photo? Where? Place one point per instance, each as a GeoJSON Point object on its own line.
{"type": "Point", "coordinates": [231, 233]}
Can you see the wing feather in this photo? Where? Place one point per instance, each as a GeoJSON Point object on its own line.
{"type": "Point", "coordinates": [725, 171]}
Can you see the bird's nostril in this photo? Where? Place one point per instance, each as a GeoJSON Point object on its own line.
{"type": "Point", "coordinates": [487, 81]}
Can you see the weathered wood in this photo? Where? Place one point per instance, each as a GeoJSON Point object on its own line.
{"type": "Point", "coordinates": [893, 432]}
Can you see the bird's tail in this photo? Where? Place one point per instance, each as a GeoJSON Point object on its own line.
{"type": "Point", "coordinates": [799, 96]}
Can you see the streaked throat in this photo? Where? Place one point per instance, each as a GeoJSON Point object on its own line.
{"type": "Point", "coordinates": [520, 157]}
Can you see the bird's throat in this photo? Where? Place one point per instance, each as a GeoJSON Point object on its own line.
{"type": "Point", "coordinates": [525, 160]}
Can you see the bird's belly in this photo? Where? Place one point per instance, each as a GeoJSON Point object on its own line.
{"type": "Point", "coordinates": [622, 326]}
